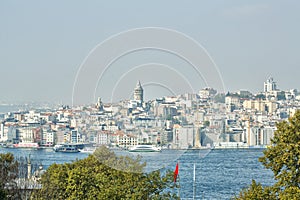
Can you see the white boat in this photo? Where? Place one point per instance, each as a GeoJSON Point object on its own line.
{"type": "Point", "coordinates": [26, 145]}
{"type": "Point", "coordinates": [87, 150]}
{"type": "Point", "coordinates": [67, 148]}
{"type": "Point", "coordinates": [144, 148]}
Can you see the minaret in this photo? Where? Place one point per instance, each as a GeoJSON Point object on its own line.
{"type": "Point", "coordinates": [138, 93]}
{"type": "Point", "coordinates": [28, 168]}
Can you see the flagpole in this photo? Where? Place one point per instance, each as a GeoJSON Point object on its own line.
{"type": "Point", "coordinates": [176, 177]}
{"type": "Point", "coordinates": [178, 181]}
{"type": "Point", "coordinates": [194, 182]}
{"type": "Point", "coordinates": [179, 187]}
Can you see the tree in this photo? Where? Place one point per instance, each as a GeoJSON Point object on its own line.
{"type": "Point", "coordinates": [123, 163]}
{"type": "Point", "coordinates": [219, 98]}
{"type": "Point", "coordinates": [8, 175]}
{"type": "Point", "coordinates": [96, 178]}
{"type": "Point", "coordinates": [283, 158]}
{"type": "Point", "coordinates": [257, 191]}
{"type": "Point", "coordinates": [260, 96]}
{"type": "Point", "coordinates": [206, 123]}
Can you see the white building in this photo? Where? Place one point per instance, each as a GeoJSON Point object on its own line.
{"type": "Point", "coordinates": [26, 134]}
{"type": "Point", "coordinates": [3, 133]}
{"type": "Point", "coordinates": [48, 138]}
{"type": "Point", "coordinates": [103, 138]}
{"type": "Point", "coordinates": [260, 136]}
{"type": "Point", "coordinates": [127, 140]}
{"type": "Point", "coordinates": [270, 85]}
{"type": "Point", "coordinates": [233, 100]}
{"type": "Point", "coordinates": [184, 136]}
{"type": "Point", "coordinates": [207, 93]}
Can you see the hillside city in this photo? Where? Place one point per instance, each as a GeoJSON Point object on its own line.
{"type": "Point", "coordinates": [205, 120]}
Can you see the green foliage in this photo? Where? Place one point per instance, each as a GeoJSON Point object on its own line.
{"type": "Point", "coordinates": [256, 191]}
{"type": "Point", "coordinates": [219, 98]}
{"type": "Point", "coordinates": [8, 175]}
{"type": "Point", "coordinates": [123, 163]}
{"type": "Point", "coordinates": [283, 158]}
{"type": "Point", "coordinates": [94, 178]}
{"type": "Point", "coordinates": [206, 123]}
{"type": "Point", "coordinates": [290, 193]}
{"type": "Point", "coordinates": [3, 194]}
{"type": "Point", "coordinates": [260, 96]}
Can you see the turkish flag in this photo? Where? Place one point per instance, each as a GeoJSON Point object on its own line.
{"type": "Point", "coordinates": [176, 172]}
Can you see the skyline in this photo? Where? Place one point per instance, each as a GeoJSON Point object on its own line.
{"type": "Point", "coordinates": [43, 44]}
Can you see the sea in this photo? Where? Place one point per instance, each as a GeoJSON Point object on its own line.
{"type": "Point", "coordinates": [203, 174]}
{"type": "Point", "coordinates": [5, 108]}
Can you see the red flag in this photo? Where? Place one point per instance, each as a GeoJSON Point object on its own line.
{"type": "Point", "coordinates": [176, 172]}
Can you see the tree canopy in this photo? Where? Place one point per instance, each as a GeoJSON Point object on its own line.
{"type": "Point", "coordinates": [283, 158]}
{"type": "Point", "coordinates": [104, 175]}
{"type": "Point", "coordinates": [8, 175]}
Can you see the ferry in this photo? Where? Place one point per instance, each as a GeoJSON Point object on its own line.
{"type": "Point", "coordinates": [144, 148]}
{"type": "Point", "coordinates": [66, 148]}
{"type": "Point", "coordinates": [26, 145]}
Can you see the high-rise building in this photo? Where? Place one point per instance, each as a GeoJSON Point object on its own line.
{"type": "Point", "coordinates": [270, 85]}
{"type": "Point", "coordinates": [138, 93]}
{"type": "Point", "coordinates": [99, 104]}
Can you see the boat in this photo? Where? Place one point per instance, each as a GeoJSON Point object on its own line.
{"type": "Point", "coordinates": [26, 145]}
{"type": "Point", "coordinates": [87, 150]}
{"type": "Point", "coordinates": [66, 148]}
{"type": "Point", "coordinates": [144, 148]}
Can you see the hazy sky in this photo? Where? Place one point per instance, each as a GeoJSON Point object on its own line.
{"type": "Point", "coordinates": [43, 43]}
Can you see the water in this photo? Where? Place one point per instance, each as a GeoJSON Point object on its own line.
{"type": "Point", "coordinates": [220, 174]}
{"type": "Point", "coordinates": [11, 108]}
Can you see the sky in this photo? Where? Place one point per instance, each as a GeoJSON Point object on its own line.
{"type": "Point", "coordinates": [45, 45]}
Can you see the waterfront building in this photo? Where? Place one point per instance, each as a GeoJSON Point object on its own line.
{"type": "Point", "coordinates": [267, 134]}
{"type": "Point", "coordinates": [75, 136]}
{"type": "Point", "coordinates": [25, 134]}
{"type": "Point", "coordinates": [260, 135]}
{"type": "Point", "coordinates": [103, 137]}
{"type": "Point", "coordinates": [12, 135]}
{"type": "Point", "coordinates": [184, 136]}
{"type": "Point", "coordinates": [49, 138]}
{"type": "Point", "coordinates": [167, 136]}
{"type": "Point", "coordinates": [127, 140]}
{"type": "Point", "coordinates": [151, 136]}
{"type": "Point", "coordinates": [62, 136]}
{"type": "Point", "coordinates": [3, 134]}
